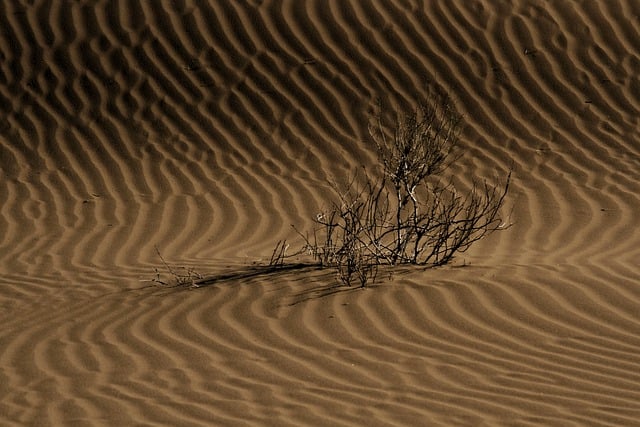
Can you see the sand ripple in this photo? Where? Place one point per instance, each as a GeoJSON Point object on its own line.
{"type": "Point", "coordinates": [206, 129]}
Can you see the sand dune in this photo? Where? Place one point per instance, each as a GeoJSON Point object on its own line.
{"type": "Point", "coordinates": [206, 128]}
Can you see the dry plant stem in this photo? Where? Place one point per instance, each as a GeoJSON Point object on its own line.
{"type": "Point", "coordinates": [190, 277]}
{"type": "Point", "coordinates": [279, 254]}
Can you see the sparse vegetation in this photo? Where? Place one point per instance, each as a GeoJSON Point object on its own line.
{"type": "Point", "coordinates": [178, 276]}
{"type": "Point", "coordinates": [407, 213]}
{"type": "Point", "coordinates": [403, 212]}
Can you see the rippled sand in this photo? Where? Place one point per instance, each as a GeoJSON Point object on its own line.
{"type": "Point", "coordinates": [206, 129]}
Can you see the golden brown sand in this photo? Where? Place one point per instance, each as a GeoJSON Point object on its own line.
{"type": "Point", "coordinates": [207, 128]}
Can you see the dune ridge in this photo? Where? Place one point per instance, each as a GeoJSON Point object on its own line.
{"type": "Point", "coordinates": [204, 129]}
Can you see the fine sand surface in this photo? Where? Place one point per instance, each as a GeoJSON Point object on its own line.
{"type": "Point", "coordinates": [207, 128]}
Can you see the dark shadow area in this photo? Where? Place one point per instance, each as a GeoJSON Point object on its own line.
{"type": "Point", "coordinates": [254, 271]}
{"type": "Point", "coordinates": [313, 285]}
{"type": "Point", "coordinates": [316, 281]}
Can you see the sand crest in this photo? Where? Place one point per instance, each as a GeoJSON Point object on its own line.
{"type": "Point", "coordinates": [206, 128]}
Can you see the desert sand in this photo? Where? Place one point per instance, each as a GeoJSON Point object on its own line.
{"type": "Point", "coordinates": [205, 129]}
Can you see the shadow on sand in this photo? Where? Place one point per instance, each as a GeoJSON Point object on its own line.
{"type": "Point", "coordinates": [314, 285]}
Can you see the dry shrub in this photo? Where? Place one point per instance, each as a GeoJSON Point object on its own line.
{"type": "Point", "coordinates": [407, 213]}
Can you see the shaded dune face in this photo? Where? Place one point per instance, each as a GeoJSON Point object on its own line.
{"type": "Point", "coordinates": [207, 128]}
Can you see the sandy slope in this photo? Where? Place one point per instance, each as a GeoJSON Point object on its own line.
{"type": "Point", "coordinates": [207, 128]}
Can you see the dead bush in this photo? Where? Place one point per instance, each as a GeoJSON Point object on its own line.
{"type": "Point", "coordinates": [408, 212]}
